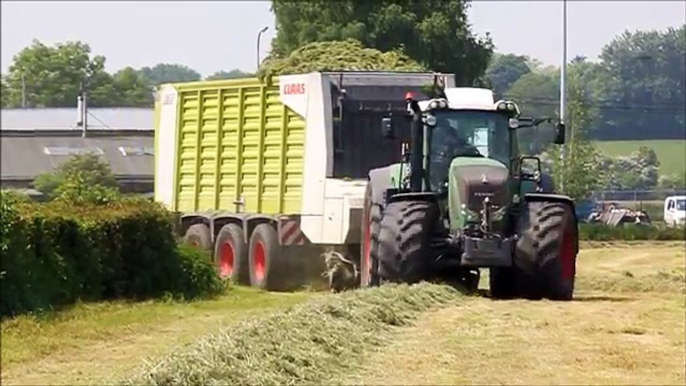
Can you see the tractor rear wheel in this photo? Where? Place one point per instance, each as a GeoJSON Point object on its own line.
{"type": "Point", "coordinates": [545, 257]}
{"type": "Point", "coordinates": [404, 239]}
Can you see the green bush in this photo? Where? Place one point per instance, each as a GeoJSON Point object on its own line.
{"type": "Point", "coordinates": [630, 232]}
{"type": "Point", "coordinates": [53, 254]}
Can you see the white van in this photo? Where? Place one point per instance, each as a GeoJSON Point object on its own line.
{"type": "Point", "coordinates": [675, 211]}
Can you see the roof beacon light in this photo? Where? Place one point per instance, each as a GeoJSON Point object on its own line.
{"type": "Point", "coordinates": [409, 96]}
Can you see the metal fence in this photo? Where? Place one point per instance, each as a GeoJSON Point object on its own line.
{"type": "Point", "coordinates": [635, 195]}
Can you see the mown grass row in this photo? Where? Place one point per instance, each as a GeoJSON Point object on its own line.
{"type": "Point", "coordinates": [306, 345]}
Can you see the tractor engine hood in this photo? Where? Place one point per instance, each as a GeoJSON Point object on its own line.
{"type": "Point", "coordinates": [471, 181]}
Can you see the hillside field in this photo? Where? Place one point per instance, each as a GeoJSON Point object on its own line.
{"type": "Point", "coordinates": [670, 153]}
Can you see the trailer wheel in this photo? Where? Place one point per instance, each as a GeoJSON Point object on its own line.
{"type": "Point", "coordinates": [545, 257]}
{"type": "Point", "coordinates": [198, 235]}
{"type": "Point", "coordinates": [231, 254]}
{"type": "Point", "coordinates": [264, 256]}
{"type": "Point", "coordinates": [369, 264]}
{"type": "Point", "coordinates": [404, 239]}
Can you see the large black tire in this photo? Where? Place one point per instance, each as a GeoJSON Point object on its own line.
{"type": "Point", "coordinates": [545, 256]}
{"type": "Point", "coordinates": [265, 254]}
{"type": "Point", "coordinates": [369, 241]}
{"type": "Point", "coordinates": [198, 235]}
{"type": "Point", "coordinates": [502, 283]}
{"type": "Point", "coordinates": [231, 254]}
{"type": "Point", "coordinates": [404, 238]}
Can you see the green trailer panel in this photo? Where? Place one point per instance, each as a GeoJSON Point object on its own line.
{"type": "Point", "coordinates": [237, 140]}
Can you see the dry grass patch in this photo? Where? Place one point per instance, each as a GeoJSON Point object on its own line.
{"type": "Point", "coordinates": [60, 348]}
{"type": "Point", "coordinates": [626, 326]}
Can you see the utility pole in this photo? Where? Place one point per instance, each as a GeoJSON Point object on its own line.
{"type": "Point", "coordinates": [82, 107]}
{"type": "Point", "coordinates": [259, 34]}
{"type": "Point", "coordinates": [563, 76]}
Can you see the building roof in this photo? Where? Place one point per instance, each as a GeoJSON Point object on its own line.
{"type": "Point", "coordinates": [117, 118]}
{"type": "Point", "coordinates": [24, 157]}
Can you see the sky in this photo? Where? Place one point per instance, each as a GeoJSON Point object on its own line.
{"type": "Point", "coordinates": [213, 36]}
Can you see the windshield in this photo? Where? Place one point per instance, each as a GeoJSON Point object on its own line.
{"type": "Point", "coordinates": [470, 134]}
{"type": "Point", "coordinates": [681, 205]}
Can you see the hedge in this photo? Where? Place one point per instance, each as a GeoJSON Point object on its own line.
{"type": "Point", "coordinates": [53, 254]}
{"type": "Point", "coordinates": [630, 232]}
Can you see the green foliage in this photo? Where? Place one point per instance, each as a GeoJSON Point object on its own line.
{"type": "Point", "coordinates": [133, 88]}
{"type": "Point", "coordinates": [4, 92]}
{"type": "Point", "coordinates": [83, 178]}
{"type": "Point", "coordinates": [53, 75]}
{"type": "Point", "coordinates": [639, 171]}
{"type": "Point", "coordinates": [338, 56]}
{"type": "Point", "coordinates": [233, 74]}
{"type": "Point", "coordinates": [505, 70]}
{"type": "Point", "coordinates": [648, 68]}
{"type": "Point", "coordinates": [630, 232]}
{"type": "Point", "coordinates": [670, 153]}
{"type": "Point", "coordinates": [54, 254]}
{"type": "Point", "coordinates": [169, 73]}
{"type": "Point", "coordinates": [577, 174]}
{"type": "Point", "coordinates": [434, 33]}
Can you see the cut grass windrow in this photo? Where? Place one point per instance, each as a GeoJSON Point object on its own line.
{"type": "Point", "coordinates": [306, 345]}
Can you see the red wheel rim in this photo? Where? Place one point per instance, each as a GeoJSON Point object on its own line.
{"type": "Point", "coordinates": [226, 260]}
{"type": "Point", "coordinates": [259, 261]}
{"type": "Point", "coordinates": [567, 254]}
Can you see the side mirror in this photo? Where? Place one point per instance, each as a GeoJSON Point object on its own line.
{"type": "Point", "coordinates": [387, 130]}
{"type": "Point", "coordinates": [560, 133]}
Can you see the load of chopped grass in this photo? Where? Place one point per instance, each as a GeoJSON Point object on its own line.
{"type": "Point", "coordinates": [306, 345]}
{"type": "Point", "coordinates": [347, 55]}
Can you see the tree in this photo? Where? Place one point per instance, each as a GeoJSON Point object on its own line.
{"type": "Point", "coordinates": [537, 93]}
{"type": "Point", "coordinates": [505, 70]}
{"type": "Point", "coordinates": [645, 91]}
{"type": "Point", "coordinates": [169, 73]}
{"type": "Point", "coordinates": [434, 33]}
{"type": "Point", "coordinates": [52, 76]}
{"type": "Point", "coordinates": [235, 73]}
{"type": "Point", "coordinates": [337, 56]}
{"type": "Point", "coordinates": [4, 92]}
{"type": "Point", "coordinates": [133, 88]}
{"type": "Point", "coordinates": [577, 175]}
{"type": "Point", "coordinates": [86, 176]}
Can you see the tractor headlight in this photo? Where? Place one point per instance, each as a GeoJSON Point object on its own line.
{"type": "Point", "coordinates": [511, 106]}
{"type": "Point", "coordinates": [438, 104]}
{"type": "Point", "coordinates": [502, 106]}
{"type": "Point", "coordinates": [430, 120]}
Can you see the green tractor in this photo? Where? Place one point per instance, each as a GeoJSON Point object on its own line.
{"type": "Point", "coordinates": [463, 198]}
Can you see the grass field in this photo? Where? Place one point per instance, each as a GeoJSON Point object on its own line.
{"type": "Point", "coordinates": [625, 326]}
{"type": "Point", "coordinates": [670, 153]}
{"type": "Point", "coordinates": [94, 342]}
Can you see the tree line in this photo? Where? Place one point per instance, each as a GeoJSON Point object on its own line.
{"type": "Point", "coordinates": [52, 76]}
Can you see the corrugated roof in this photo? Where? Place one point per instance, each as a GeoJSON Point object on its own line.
{"type": "Point", "coordinates": [123, 118]}
{"type": "Point", "coordinates": [25, 157]}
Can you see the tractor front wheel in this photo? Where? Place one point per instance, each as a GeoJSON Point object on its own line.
{"type": "Point", "coordinates": [545, 257]}
{"type": "Point", "coordinates": [404, 239]}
